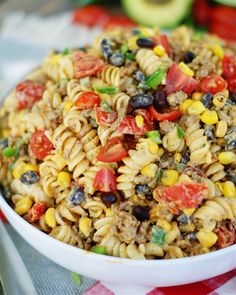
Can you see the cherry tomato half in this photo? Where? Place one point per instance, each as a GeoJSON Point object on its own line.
{"type": "Point", "coordinates": [113, 151]}
{"type": "Point", "coordinates": [40, 144]}
{"type": "Point", "coordinates": [88, 100]}
{"type": "Point", "coordinates": [213, 84]}
{"type": "Point", "coordinates": [119, 21]}
{"type": "Point", "coordinates": [176, 80]}
{"type": "Point", "coordinates": [171, 116]}
{"type": "Point", "coordinates": [86, 65]}
{"type": "Point", "coordinates": [229, 66]}
{"type": "Point", "coordinates": [36, 212]}
{"type": "Point", "coordinates": [232, 84]}
{"type": "Point", "coordinates": [104, 118]}
{"type": "Point", "coordinates": [105, 181]}
{"type": "Point", "coordinates": [129, 126]}
{"type": "Point", "coordinates": [91, 15]}
{"type": "Point", "coordinates": [27, 93]}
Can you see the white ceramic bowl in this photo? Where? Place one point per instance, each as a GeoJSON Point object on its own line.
{"type": "Point", "coordinates": [160, 273]}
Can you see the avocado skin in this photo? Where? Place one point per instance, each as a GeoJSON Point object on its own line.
{"type": "Point", "coordinates": [227, 2]}
{"type": "Point", "coordinates": [165, 16]}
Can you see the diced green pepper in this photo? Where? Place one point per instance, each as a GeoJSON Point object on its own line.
{"type": "Point", "coordinates": [130, 56]}
{"type": "Point", "coordinates": [107, 90]}
{"type": "Point", "coordinates": [76, 278]}
{"type": "Point", "coordinates": [9, 152]}
{"type": "Point", "coordinates": [105, 106]}
{"type": "Point", "coordinates": [158, 235]}
{"type": "Point", "coordinates": [124, 48]}
{"type": "Point", "coordinates": [155, 135]}
{"type": "Point", "coordinates": [154, 80]}
{"type": "Point", "coordinates": [180, 132]}
{"type": "Point", "coordinates": [99, 250]}
{"type": "Point", "coordinates": [67, 51]}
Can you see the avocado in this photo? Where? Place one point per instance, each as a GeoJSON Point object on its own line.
{"type": "Point", "coordinates": [161, 13]}
{"type": "Point", "coordinates": [227, 2]}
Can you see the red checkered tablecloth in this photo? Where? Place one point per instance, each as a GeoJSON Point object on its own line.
{"type": "Point", "coordinates": [221, 285]}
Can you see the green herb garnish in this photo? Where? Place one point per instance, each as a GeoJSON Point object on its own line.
{"type": "Point", "coordinates": [158, 235]}
{"type": "Point", "coordinates": [180, 132]}
{"type": "Point", "coordinates": [124, 48]}
{"type": "Point", "coordinates": [155, 135]}
{"type": "Point", "coordinates": [107, 90]}
{"type": "Point", "coordinates": [76, 278]}
{"type": "Point", "coordinates": [99, 250]}
{"type": "Point", "coordinates": [105, 106]}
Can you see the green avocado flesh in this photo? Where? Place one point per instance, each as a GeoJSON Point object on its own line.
{"type": "Point", "coordinates": [161, 13]}
{"type": "Point", "coordinates": [227, 2]}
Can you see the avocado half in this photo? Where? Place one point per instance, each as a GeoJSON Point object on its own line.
{"type": "Point", "coordinates": [161, 13]}
{"type": "Point", "coordinates": [227, 2]}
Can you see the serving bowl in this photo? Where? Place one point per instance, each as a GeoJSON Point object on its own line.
{"type": "Point", "coordinates": [169, 272]}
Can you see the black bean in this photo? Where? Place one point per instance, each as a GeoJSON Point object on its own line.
{"type": "Point", "coordinates": [191, 236]}
{"type": "Point", "coordinates": [189, 57]}
{"type": "Point", "coordinates": [209, 132]}
{"type": "Point", "coordinates": [143, 189]}
{"type": "Point", "coordinates": [185, 158]}
{"type": "Point", "coordinates": [108, 198]}
{"type": "Point", "coordinates": [117, 59]}
{"type": "Point", "coordinates": [107, 50]}
{"type": "Point", "coordinates": [29, 177]}
{"type": "Point", "coordinates": [145, 42]}
{"type": "Point", "coordinates": [77, 196]}
{"type": "Point", "coordinates": [160, 100]}
{"type": "Point", "coordinates": [141, 213]}
{"type": "Point", "coordinates": [4, 143]}
{"type": "Point", "coordinates": [183, 219]}
{"type": "Point", "coordinates": [141, 101]}
{"type": "Point", "coordinates": [231, 175]}
{"type": "Point", "coordinates": [206, 99]}
{"type": "Point", "coordinates": [231, 145]}
{"type": "Point", "coordinates": [139, 76]}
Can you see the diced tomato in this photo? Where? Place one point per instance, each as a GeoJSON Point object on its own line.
{"type": "Point", "coordinates": [86, 65]}
{"type": "Point", "coordinates": [91, 15]}
{"type": "Point", "coordinates": [226, 235]}
{"type": "Point", "coordinates": [104, 118]}
{"type": "Point", "coordinates": [27, 93]}
{"type": "Point", "coordinates": [181, 196]}
{"type": "Point", "coordinates": [223, 14]}
{"type": "Point", "coordinates": [129, 126]}
{"type": "Point", "coordinates": [176, 80]}
{"type": "Point", "coordinates": [229, 66]}
{"type": "Point", "coordinates": [213, 84]}
{"type": "Point", "coordinates": [119, 21]}
{"type": "Point", "coordinates": [40, 144]}
{"type": "Point", "coordinates": [2, 216]}
{"type": "Point", "coordinates": [171, 116]}
{"type": "Point", "coordinates": [162, 40]}
{"type": "Point", "coordinates": [88, 100]}
{"type": "Point", "coordinates": [36, 212]}
{"type": "Point", "coordinates": [113, 151]}
{"type": "Point", "coordinates": [105, 181]}
{"type": "Point", "coordinates": [232, 84]}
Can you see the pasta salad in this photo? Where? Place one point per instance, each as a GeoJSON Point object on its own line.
{"type": "Point", "coordinates": [127, 148]}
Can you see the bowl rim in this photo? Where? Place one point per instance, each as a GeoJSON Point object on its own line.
{"type": "Point", "coordinates": [7, 209]}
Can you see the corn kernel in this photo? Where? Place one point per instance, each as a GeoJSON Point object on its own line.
{"type": "Point", "coordinates": [177, 157]}
{"type": "Point", "coordinates": [164, 224]}
{"type": "Point", "coordinates": [152, 146]}
{"type": "Point", "coordinates": [186, 69]}
{"type": "Point", "coordinates": [5, 132]}
{"type": "Point", "coordinates": [19, 170]}
{"type": "Point", "coordinates": [226, 158]}
{"type": "Point", "coordinates": [229, 189]}
{"type": "Point", "coordinates": [209, 117]}
{"type": "Point", "coordinates": [85, 226]}
{"type": "Point", "coordinates": [196, 108]}
{"type": "Point", "coordinates": [189, 211]}
{"type": "Point", "coordinates": [139, 121]}
{"type": "Point", "coordinates": [206, 239]}
{"type": "Point", "coordinates": [64, 179]}
{"type": "Point", "coordinates": [149, 170]}
{"type": "Point", "coordinates": [159, 50]}
{"type": "Point", "coordinates": [160, 152]}
{"type": "Point", "coordinates": [68, 105]}
{"type": "Point", "coordinates": [50, 217]}
{"type": "Point", "coordinates": [169, 177]}
{"type": "Point", "coordinates": [221, 129]}
{"type": "Point", "coordinates": [55, 58]}
{"type": "Point", "coordinates": [217, 50]}
{"type": "Point", "coordinates": [132, 43]}
{"type": "Point", "coordinates": [197, 95]}
{"type": "Point", "coordinates": [31, 167]}
{"type": "Point", "coordinates": [147, 32]}
{"type": "Point", "coordinates": [185, 105]}
{"type": "Point", "coordinates": [23, 205]}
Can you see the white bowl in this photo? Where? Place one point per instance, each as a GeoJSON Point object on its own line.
{"type": "Point", "coordinates": [159, 273]}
